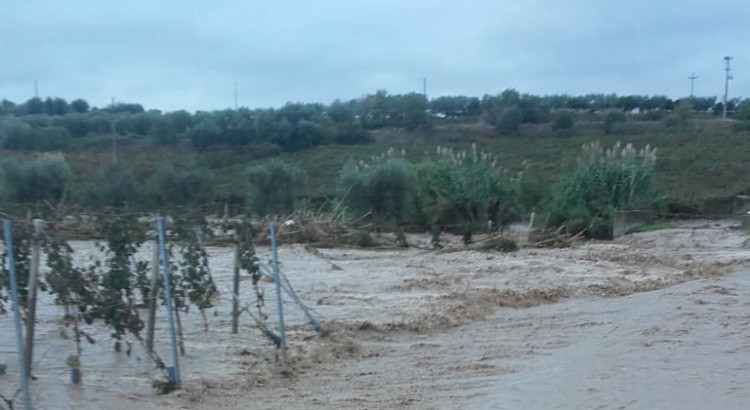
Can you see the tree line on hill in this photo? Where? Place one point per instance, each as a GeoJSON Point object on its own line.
{"type": "Point", "coordinates": [55, 124]}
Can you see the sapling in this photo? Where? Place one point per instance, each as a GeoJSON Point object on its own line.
{"type": "Point", "coordinates": [73, 287]}
{"type": "Point", "coordinates": [116, 296]}
{"type": "Point", "coordinates": [195, 276]}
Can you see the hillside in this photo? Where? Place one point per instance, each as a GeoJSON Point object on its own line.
{"type": "Point", "coordinates": [700, 166]}
{"type": "Point", "coordinates": [695, 168]}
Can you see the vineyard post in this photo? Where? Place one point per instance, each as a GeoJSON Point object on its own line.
{"type": "Point", "coordinates": [17, 315]}
{"type": "Point", "coordinates": [199, 239]}
{"type": "Point", "coordinates": [277, 280]}
{"type": "Point", "coordinates": [33, 278]}
{"type": "Point", "coordinates": [153, 295]}
{"type": "Point", "coordinates": [168, 294]}
{"type": "Point", "coordinates": [236, 289]}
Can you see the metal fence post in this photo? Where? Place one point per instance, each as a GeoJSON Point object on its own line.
{"type": "Point", "coordinates": [17, 315]}
{"type": "Point", "coordinates": [277, 280]}
{"type": "Point", "coordinates": [168, 294]}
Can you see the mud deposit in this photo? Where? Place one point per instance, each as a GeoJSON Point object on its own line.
{"type": "Point", "coordinates": [652, 320]}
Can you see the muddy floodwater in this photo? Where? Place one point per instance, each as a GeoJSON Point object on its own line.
{"type": "Point", "coordinates": [657, 320]}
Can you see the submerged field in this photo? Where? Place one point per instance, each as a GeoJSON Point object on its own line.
{"type": "Point", "coordinates": [602, 324]}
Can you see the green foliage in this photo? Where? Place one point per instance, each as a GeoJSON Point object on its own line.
{"type": "Point", "coordinates": [460, 188]}
{"type": "Point", "coordinates": [115, 301]}
{"type": "Point", "coordinates": [205, 134]}
{"type": "Point", "coordinates": [79, 106]}
{"type": "Point", "coordinates": [383, 189]}
{"type": "Point", "coordinates": [681, 118]}
{"type": "Point", "coordinates": [73, 362]}
{"type": "Point", "coordinates": [455, 106]}
{"type": "Point", "coordinates": [509, 120]}
{"type": "Point", "coordinates": [22, 238]}
{"type": "Point", "coordinates": [139, 123]}
{"type": "Point", "coordinates": [563, 120]}
{"type": "Point", "coordinates": [163, 132]}
{"type": "Point", "coordinates": [382, 110]}
{"type": "Point", "coordinates": [73, 287]}
{"type": "Point", "coordinates": [620, 178]}
{"type": "Point", "coordinates": [274, 187]}
{"type": "Point", "coordinates": [22, 135]}
{"type": "Point", "coordinates": [195, 279]}
{"type": "Point", "coordinates": [611, 118]}
{"type": "Point", "coordinates": [243, 236]}
{"type": "Point", "coordinates": [42, 178]}
{"type": "Point", "coordinates": [363, 239]}
{"type": "Point", "coordinates": [304, 134]}
{"type": "Point", "coordinates": [181, 120]}
{"type": "Point", "coordinates": [124, 108]}
{"type": "Point", "coordinates": [351, 134]}
{"type": "Point", "coordinates": [743, 110]}
{"type": "Point", "coordinates": [112, 185]}
{"type": "Point", "coordinates": [192, 185]}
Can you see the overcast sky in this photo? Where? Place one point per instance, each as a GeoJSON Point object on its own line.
{"type": "Point", "coordinates": [187, 54]}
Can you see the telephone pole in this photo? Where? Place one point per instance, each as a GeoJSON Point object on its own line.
{"type": "Point", "coordinates": [424, 87]}
{"type": "Point", "coordinates": [728, 70]}
{"type": "Point", "coordinates": [692, 78]}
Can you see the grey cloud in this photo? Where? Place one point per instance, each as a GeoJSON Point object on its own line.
{"type": "Point", "coordinates": [187, 54]}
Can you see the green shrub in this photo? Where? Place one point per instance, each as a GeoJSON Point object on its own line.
{"type": "Point", "coordinates": [18, 134]}
{"type": "Point", "coordinates": [42, 178]}
{"type": "Point", "coordinates": [384, 190]}
{"type": "Point", "coordinates": [681, 118]}
{"type": "Point", "coordinates": [509, 120]}
{"type": "Point", "coordinates": [363, 239]}
{"type": "Point", "coordinates": [163, 132]}
{"type": "Point", "coordinates": [611, 118]}
{"type": "Point", "coordinates": [112, 185]}
{"type": "Point", "coordinates": [205, 134]}
{"type": "Point", "coordinates": [563, 120]}
{"type": "Point", "coordinates": [274, 187]}
{"type": "Point", "coordinates": [460, 188]}
{"type": "Point", "coordinates": [351, 134]}
{"type": "Point", "coordinates": [620, 178]}
{"type": "Point", "coordinates": [191, 185]}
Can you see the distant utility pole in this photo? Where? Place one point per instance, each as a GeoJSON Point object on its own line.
{"type": "Point", "coordinates": [36, 89]}
{"type": "Point", "coordinates": [692, 78]}
{"type": "Point", "coordinates": [235, 95]}
{"type": "Point", "coordinates": [424, 87]}
{"type": "Point", "coordinates": [728, 70]}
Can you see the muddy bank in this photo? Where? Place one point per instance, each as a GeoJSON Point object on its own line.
{"type": "Point", "coordinates": [407, 327]}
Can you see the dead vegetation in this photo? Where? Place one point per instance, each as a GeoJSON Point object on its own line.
{"type": "Point", "coordinates": [555, 239]}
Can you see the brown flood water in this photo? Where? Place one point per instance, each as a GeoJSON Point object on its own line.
{"type": "Point", "coordinates": [653, 320]}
